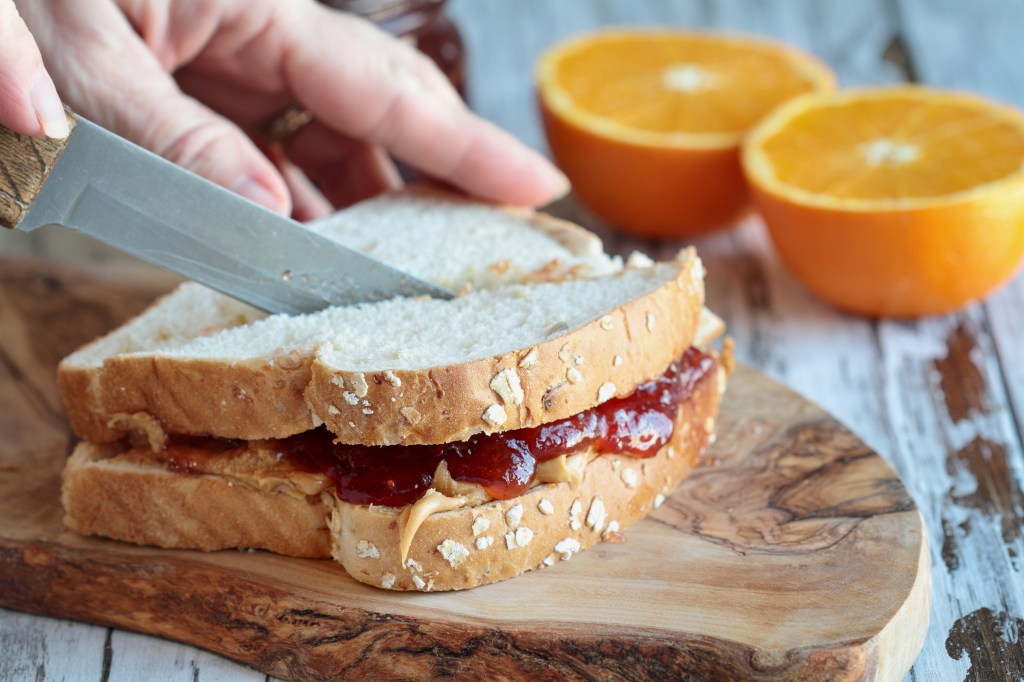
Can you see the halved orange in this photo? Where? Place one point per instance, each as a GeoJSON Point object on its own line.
{"type": "Point", "coordinates": [899, 201]}
{"type": "Point", "coordinates": [647, 124]}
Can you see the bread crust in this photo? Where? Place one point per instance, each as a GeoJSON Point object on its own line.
{"type": "Point", "coordinates": [366, 538]}
{"type": "Point", "coordinates": [551, 380]}
{"type": "Point", "coordinates": [149, 505]}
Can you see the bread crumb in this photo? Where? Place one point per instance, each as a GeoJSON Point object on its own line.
{"type": "Point", "coordinates": [596, 514]}
{"type": "Point", "coordinates": [575, 508]}
{"type": "Point", "coordinates": [670, 452]}
{"type": "Point", "coordinates": [366, 403]}
{"type": "Point", "coordinates": [333, 411]}
{"type": "Point", "coordinates": [577, 360]}
{"type": "Point", "coordinates": [367, 550]}
{"type": "Point", "coordinates": [529, 360]}
{"type": "Point", "coordinates": [567, 548]}
{"type": "Point", "coordinates": [495, 415]}
{"type": "Point", "coordinates": [616, 361]}
{"type": "Point", "coordinates": [650, 322]}
{"type": "Point", "coordinates": [523, 536]}
{"type": "Point", "coordinates": [510, 540]}
{"type": "Point", "coordinates": [606, 323]}
{"type": "Point", "coordinates": [480, 525]}
{"type": "Point", "coordinates": [659, 500]}
{"type": "Point", "coordinates": [359, 385]}
{"type": "Point", "coordinates": [709, 424]}
{"type": "Point", "coordinates": [575, 524]}
{"type": "Point", "coordinates": [616, 463]}
{"type": "Point", "coordinates": [514, 515]}
{"type": "Point", "coordinates": [506, 384]}
{"type": "Point", "coordinates": [413, 565]}
{"type": "Point", "coordinates": [573, 375]}
{"type": "Point", "coordinates": [412, 415]}
{"type": "Point", "coordinates": [606, 392]}
{"type": "Point", "coordinates": [387, 581]}
{"type": "Point", "coordinates": [613, 526]}
{"type": "Point", "coordinates": [546, 507]}
{"type": "Point", "coordinates": [418, 582]}
{"type": "Point", "coordinates": [484, 541]}
{"type": "Point", "coordinates": [338, 381]}
{"type": "Point", "coordinates": [392, 378]}
{"type": "Point", "coordinates": [548, 560]}
{"type": "Point", "coordinates": [453, 552]}
{"type": "Point", "coordinates": [712, 439]}
{"type": "Point", "coordinates": [350, 398]}
{"type": "Point", "coordinates": [629, 477]}
{"type": "Point", "coordinates": [367, 410]}
{"type": "Point", "coordinates": [352, 425]}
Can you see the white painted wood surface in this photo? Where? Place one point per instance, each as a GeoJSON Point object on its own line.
{"type": "Point", "coordinates": [942, 398]}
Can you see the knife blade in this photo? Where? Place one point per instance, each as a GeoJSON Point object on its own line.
{"type": "Point", "coordinates": [102, 185]}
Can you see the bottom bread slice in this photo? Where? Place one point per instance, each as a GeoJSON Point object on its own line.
{"type": "Point", "coordinates": [132, 495]}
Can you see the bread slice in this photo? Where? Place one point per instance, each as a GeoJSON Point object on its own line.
{"type": "Point", "coordinates": [248, 501]}
{"type": "Point", "coordinates": [439, 236]}
{"type": "Point", "coordinates": [460, 243]}
{"type": "Point", "coordinates": [400, 371]}
{"type": "Point", "coordinates": [133, 496]}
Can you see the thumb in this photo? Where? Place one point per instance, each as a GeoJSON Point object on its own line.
{"type": "Point", "coordinates": [28, 100]}
{"type": "Point", "coordinates": [116, 80]}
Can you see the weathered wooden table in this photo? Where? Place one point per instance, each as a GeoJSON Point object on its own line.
{"type": "Point", "coordinates": [942, 398]}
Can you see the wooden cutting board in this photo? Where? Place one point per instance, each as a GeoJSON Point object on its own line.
{"type": "Point", "coordinates": [796, 553]}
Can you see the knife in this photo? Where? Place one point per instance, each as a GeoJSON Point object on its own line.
{"type": "Point", "coordinates": [116, 192]}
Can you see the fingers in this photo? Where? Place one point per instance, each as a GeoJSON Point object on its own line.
{"type": "Point", "coordinates": [111, 76]}
{"type": "Point", "coordinates": [344, 169]}
{"type": "Point", "coordinates": [28, 100]}
{"type": "Point", "coordinates": [388, 94]}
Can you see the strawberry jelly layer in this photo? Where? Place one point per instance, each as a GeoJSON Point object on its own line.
{"type": "Point", "coordinates": [503, 464]}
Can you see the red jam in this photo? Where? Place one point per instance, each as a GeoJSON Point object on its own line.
{"type": "Point", "coordinates": [504, 464]}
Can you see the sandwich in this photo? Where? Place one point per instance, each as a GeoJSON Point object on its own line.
{"type": "Point", "coordinates": [423, 444]}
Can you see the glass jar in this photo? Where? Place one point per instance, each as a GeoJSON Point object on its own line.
{"type": "Point", "coordinates": [421, 22]}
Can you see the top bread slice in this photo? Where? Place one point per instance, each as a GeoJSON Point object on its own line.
{"type": "Point", "coordinates": [403, 371]}
{"type": "Point", "coordinates": [438, 236]}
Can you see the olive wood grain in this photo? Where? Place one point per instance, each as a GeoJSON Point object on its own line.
{"type": "Point", "coordinates": [794, 553]}
{"type": "Point", "coordinates": [25, 163]}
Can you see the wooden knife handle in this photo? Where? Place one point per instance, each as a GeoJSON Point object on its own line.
{"type": "Point", "coordinates": [25, 163]}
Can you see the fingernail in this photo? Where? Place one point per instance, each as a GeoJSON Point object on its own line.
{"type": "Point", "coordinates": [48, 108]}
{"type": "Point", "coordinates": [257, 192]}
{"type": "Point", "coordinates": [565, 186]}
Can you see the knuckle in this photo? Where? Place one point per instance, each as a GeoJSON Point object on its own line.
{"type": "Point", "coordinates": [197, 145]}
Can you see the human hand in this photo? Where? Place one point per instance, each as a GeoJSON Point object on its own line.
{"type": "Point", "coordinates": [28, 101]}
{"type": "Point", "coordinates": [195, 81]}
